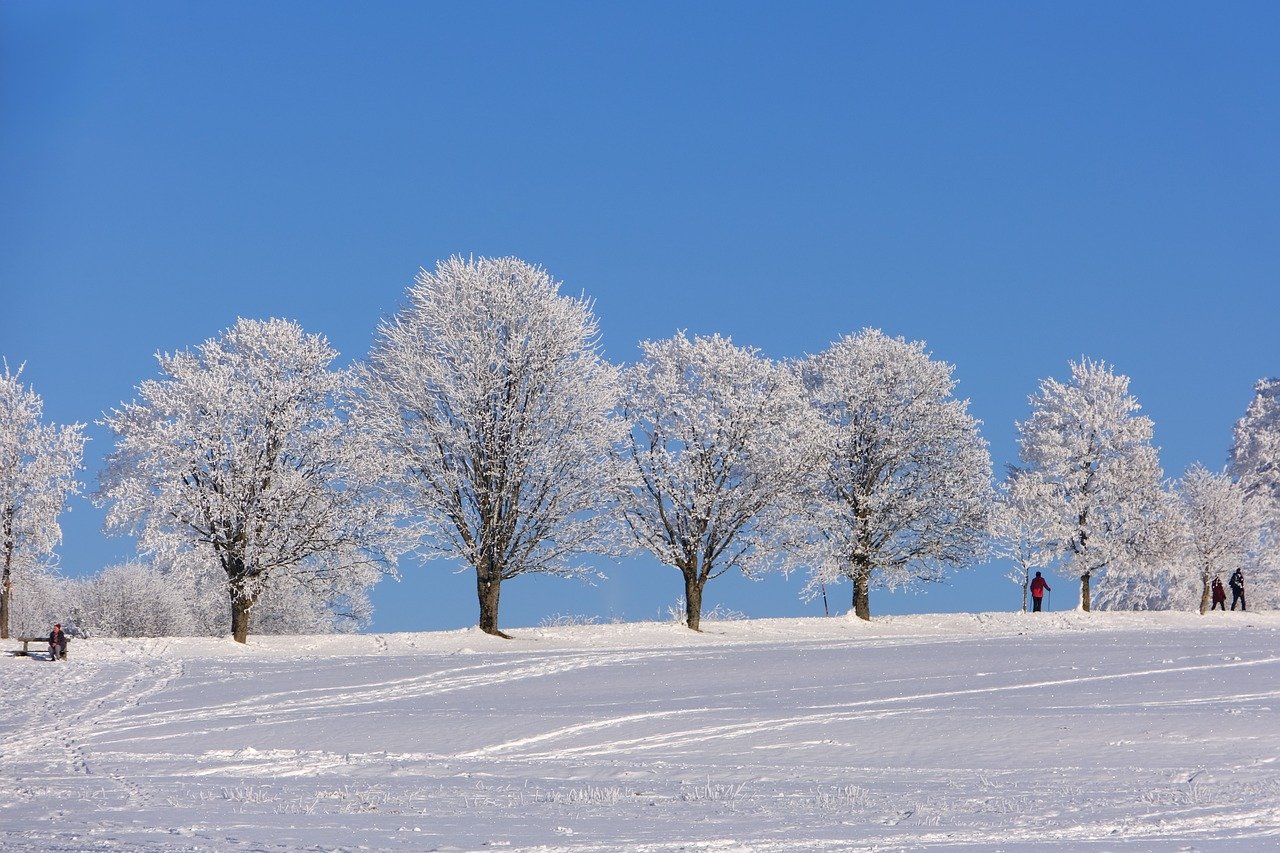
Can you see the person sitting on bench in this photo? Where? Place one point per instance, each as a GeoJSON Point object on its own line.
{"type": "Point", "coordinates": [57, 643]}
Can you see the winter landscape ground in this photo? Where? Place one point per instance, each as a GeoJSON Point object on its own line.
{"type": "Point", "coordinates": [988, 731]}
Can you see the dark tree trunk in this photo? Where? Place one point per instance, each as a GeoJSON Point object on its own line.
{"type": "Point", "coordinates": [242, 600]}
{"type": "Point", "coordinates": [6, 591]}
{"type": "Point", "coordinates": [1084, 591]}
{"type": "Point", "coordinates": [1026, 584]}
{"type": "Point", "coordinates": [6, 581]}
{"type": "Point", "coordinates": [692, 599]}
{"type": "Point", "coordinates": [241, 611]}
{"type": "Point", "coordinates": [487, 590]}
{"type": "Point", "coordinates": [862, 593]}
{"type": "Point", "coordinates": [1204, 595]}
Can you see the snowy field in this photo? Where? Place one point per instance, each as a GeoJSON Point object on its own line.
{"type": "Point", "coordinates": [993, 731]}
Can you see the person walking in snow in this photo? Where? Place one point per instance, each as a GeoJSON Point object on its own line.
{"type": "Point", "coordinates": [57, 643]}
{"type": "Point", "coordinates": [1038, 589]}
{"type": "Point", "coordinates": [1237, 589]}
{"type": "Point", "coordinates": [1219, 594]}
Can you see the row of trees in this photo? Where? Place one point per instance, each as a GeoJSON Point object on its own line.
{"type": "Point", "coordinates": [486, 428]}
{"type": "Point", "coordinates": [1089, 495]}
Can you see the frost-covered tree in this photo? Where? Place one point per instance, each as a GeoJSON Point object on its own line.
{"type": "Point", "coordinates": [902, 491]}
{"type": "Point", "coordinates": [490, 393]}
{"type": "Point", "coordinates": [38, 465]}
{"type": "Point", "coordinates": [1223, 529]}
{"type": "Point", "coordinates": [1255, 453]}
{"type": "Point", "coordinates": [47, 597]}
{"type": "Point", "coordinates": [1098, 476]}
{"type": "Point", "coordinates": [720, 440]}
{"type": "Point", "coordinates": [1019, 527]}
{"type": "Point", "coordinates": [140, 599]}
{"type": "Point", "coordinates": [1148, 577]}
{"type": "Point", "coordinates": [241, 453]}
{"type": "Point", "coordinates": [133, 600]}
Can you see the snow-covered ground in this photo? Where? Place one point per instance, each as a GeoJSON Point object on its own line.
{"type": "Point", "coordinates": [992, 731]}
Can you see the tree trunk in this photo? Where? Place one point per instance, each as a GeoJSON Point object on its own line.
{"type": "Point", "coordinates": [1026, 584]}
{"type": "Point", "coordinates": [862, 594]}
{"type": "Point", "coordinates": [487, 591]}
{"type": "Point", "coordinates": [6, 582]}
{"type": "Point", "coordinates": [241, 610]}
{"type": "Point", "coordinates": [692, 600]}
{"type": "Point", "coordinates": [242, 600]}
{"type": "Point", "coordinates": [1204, 595]}
{"type": "Point", "coordinates": [6, 591]}
{"type": "Point", "coordinates": [1084, 592]}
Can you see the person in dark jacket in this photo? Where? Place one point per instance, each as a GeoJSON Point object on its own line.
{"type": "Point", "coordinates": [57, 643]}
{"type": "Point", "coordinates": [1237, 589]}
{"type": "Point", "coordinates": [1038, 589]}
{"type": "Point", "coordinates": [1219, 594]}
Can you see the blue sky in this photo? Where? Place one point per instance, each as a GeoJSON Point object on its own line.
{"type": "Point", "coordinates": [1017, 184]}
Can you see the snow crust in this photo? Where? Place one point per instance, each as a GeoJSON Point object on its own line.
{"type": "Point", "coordinates": [971, 731]}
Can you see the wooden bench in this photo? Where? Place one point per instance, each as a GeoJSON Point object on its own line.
{"type": "Point", "coordinates": [26, 641]}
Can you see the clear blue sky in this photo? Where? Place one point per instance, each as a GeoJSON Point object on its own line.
{"type": "Point", "coordinates": [1017, 184]}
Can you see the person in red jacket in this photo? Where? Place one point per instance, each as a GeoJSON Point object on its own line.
{"type": "Point", "coordinates": [1219, 594]}
{"type": "Point", "coordinates": [1038, 589]}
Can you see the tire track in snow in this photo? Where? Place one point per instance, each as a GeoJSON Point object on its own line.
{"type": "Point", "coordinates": [325, 699]}
{"type": "Point", "coordinates": [842, 712]}
{"type": "Point", "coordinates": [684, 737]}
{"type": "Point", "coordinates": [569, 731]}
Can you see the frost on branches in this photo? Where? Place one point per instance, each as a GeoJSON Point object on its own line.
{"type": "Point", "coordinates": [1255, 453]}
{"type": "Point", "coordinates": [490, 393]}
{"type": "Point", "coordinates": [38, 465]}
{"type": "Point", "coordinates": [719, 444]}
{"type": "Point", "coordinates": [240, 454]}
{"type": "Point", "coordinates": [1150, 578]}
{"type": "Point", "coordinates": [1019, 526]}
{"type": "Point", "coordinates": [1223, 529]}
{"type": "Point", "coordinates": [1096, 475]}
{"type": "Point", "coordinates": [134, 600]}
{"type": "Point", "coordinates": [902, 491]}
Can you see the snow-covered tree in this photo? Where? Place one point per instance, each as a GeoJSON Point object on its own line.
{"type": "Point", "coordinates": [1223, 528]}
{"type": "Point", "coordinates": [133, 600]}
{"type": "Point", "coordinates": [720, 440]}
{"type": "Point", "coordinates": [241, 453]}
{"type": "Point", "coordinates": [38, 465]}
{"type": "Point", "coordinates": [902, 491]}
{"type": "Point", "coordinates": [490, 393]}
{"type": "Point", "coordinates": [1019, 527]}
{"type": "Point", "coordinates": [1255, 453]}
{"type": "Point", "coordinates": [1148, 577]}
{"type": "Point", "coordinates": [47, 597]}
{"type": "Point", "coordinates": [1098, 474]}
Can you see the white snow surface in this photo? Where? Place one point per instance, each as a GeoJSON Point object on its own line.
{"type": "Point", "coordinates": [1153, 731]}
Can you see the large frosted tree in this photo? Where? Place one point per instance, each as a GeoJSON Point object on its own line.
{"type": "Point", "coordinates": [241, 453]}
{"type": "Point", "coordinates": [1096, 474]}
{"type": "Point", "coordinates": [720, 440]}
{"type": "Point", "coordinates": [38, 465]}
{"type": "Point", "coordinates": [1223, 529]}
{"type": "Point", "coordinates": [490, 394]}
{"type": "Point", "coordinates": [1255, 452]}
{"type": "Point", "coordinates": [902, 490]}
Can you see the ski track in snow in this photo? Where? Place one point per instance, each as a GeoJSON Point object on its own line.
{"type": "Point", "coordinates": [1154, 739]}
